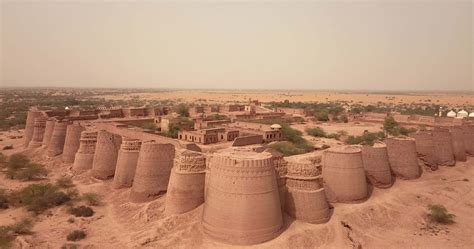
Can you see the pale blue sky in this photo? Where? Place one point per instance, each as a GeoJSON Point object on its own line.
{"type": "Point", "coordinates": [360, 45]}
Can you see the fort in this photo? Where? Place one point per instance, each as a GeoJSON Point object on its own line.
{"type": "Point", "coordinates": [126, 162]}
{"type": "Point", "coordinates": [71, 142]}
{"type": "Point", "coordinates": [305, 199]}
{"type": "Point", "coordinates": [443, 147]}
{"type": "Point", "coordinates": [376, 165]}
{"type": "Point", "coordinates": [227, 165]}
{"type": "Point", "coordinates": [186, 184]}
{"type": "Point", "coordinates": [425, 148]}
{"type": "Point", "coordinates": [84, 157]}
{"type": "Point", "coordinates": [152, 174]}
{"type": "Point", "coordinates": [105, 155]}
{"type": "Point", "coordinates": [403, 158]}
{"type": "Point", "coordinates": [38, 132]}
{"type": "Point", "coordinates": [344, 175]}
{"type": "Point", "coordinates": [242, 204]}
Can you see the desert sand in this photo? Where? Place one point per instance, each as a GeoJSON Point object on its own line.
{"type": "Point", "coordinates": [221, 96]}
{"type": "Point", "coordinates": [390, 218]}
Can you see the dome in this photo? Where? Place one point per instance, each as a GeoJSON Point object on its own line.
{"type": "Point", "coordinates": [462, 114]}
{"type": "Point", "coordinates": [451, 114]}
{"type": "Point", "coordinates": [275, 126]}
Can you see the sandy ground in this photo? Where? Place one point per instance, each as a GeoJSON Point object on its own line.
{"type": "Point", "coordinates": [221, 96]}
{"type": "Point", "coordinates": [390, 218]}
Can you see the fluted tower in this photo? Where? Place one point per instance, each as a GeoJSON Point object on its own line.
{"type": "Point", "coordinates": [56, 144]}
{"type": "Point", "coordinates": [403, 158]}
{"type": "Point", "coordinates": [126, 163]}
{"type": "Point", "coordinates": [152, 175]}
{"type": "Point", "coordinates": [72, 141]}
{"type": "Point", "coordinates": [186, 186]}
{"type": "Point", "coordinates": [459, 146]}
{"type": "Point", "coordinates": [85, 155]}
{"type": "Point", "coordinates": [376, 165]}
{"type": "Point", "coordinates": [242, 203]}
{"type": "Point", "coordinates": [30, 125]}
{"type": "Point", "coordinates": [343, 174]}
{"type": "Point", "coordinates": [443, 142]}
{"type": "Point", "coordinates": [38, 132]}
{"type": "Point", "coordinates": [306, 198]}
{"type": "Point", "coordinates": [48, 132]}
{"type": "Point", "coordinates": [425, 148]}
{"type": "Point", "coordinates": [106, 153]}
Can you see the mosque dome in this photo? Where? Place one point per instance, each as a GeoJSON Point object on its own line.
{"type": "Point", "coordinates": [462, 114]}
{"type": "Point", "coordinates": [451, 114]}
{"type": "Point", "coordinates": [275, 126]}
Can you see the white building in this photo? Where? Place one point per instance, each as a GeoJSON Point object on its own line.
{"type": "Point", "coordinates": [451, 114]}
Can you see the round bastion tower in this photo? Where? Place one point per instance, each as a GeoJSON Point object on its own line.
{"type": "Point", "coordinates": [186, 186]}
{"type": "Point", "coordinates": [85, 154]}
{"type": "Point", "coordinates": [242, 203]}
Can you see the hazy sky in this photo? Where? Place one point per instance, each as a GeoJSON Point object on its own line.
{"type": "Point", "coordinates": [360, 45]}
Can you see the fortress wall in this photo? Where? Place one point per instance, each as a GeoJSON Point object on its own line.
{"type": "Point", "coordinates": [30, 125]}
{"type": "Point", "coordinates": [126, 163]}
{"type": "Point", "coordinates": [425, 148]}
{"type": "Point", "coordinates": [248, 140]}
{"type": "Point", "coordinates": [106, 153]}
{"type": "Point", "coordinates": [306, 198]}
{"type": "Point", "coordinates": [48, 132]}
{"type": "Point", "coordinates": [403, 158]}
{"type": "Point", "coordinates": [242, 204]}
{"type": "Point", "coordinates": [85, 155]}
{"type": "Point", "coordinates": [459, 146]}
{"type": "Point", "coordinates": [136, 133]}
{"type": "Point", "coordinates": [155, 161]}
{"type": "Point", "coordinates": [186, 185]}
{"type": "Point", "coordinates": [443, 147]}
{"type": "Point", "coordinates": [376, 165]}
{"type": "Point", "coordinates": [344, 175]}
{"type": "Point", "coordinates": [468, 131]}
{"type": "Point", "coordinates": [72, 141]}
{"type": "Point", "coordinates": [56, 144]}
{"type": "Point", "coordinates": [38, 132]}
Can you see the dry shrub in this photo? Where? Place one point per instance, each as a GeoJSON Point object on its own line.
{"type": "Point", "coordinates": [76, 235]}
{"type": "Point", "coordinates": [92, 199]}
{"type": "Point", "coordinates": [439, 214]}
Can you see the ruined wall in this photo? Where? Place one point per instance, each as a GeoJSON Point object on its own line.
{"type": "Point", "coordinates": [248, 140]}
{"type": "Point", "coordinates": [459, 146]}
{"type": "Point", "coordinates": [186, 185]}
{"type": "Point", "coordinates": [242, 202]}
{"type": "Point", "coordinates": [85, 155]}
{"type": "Point", "coordinates": [155, 161]}
{"type": "Point", "coordinates": [72, 141]}
{"type": "Point", "coordinates": [48, 132]}
{"type": "Point", "coordinates": [443, 147]}
{"type": "Point", "coordinates": [306, 198]}
{"type": "Point", "coordinates": [425, 148]}
{"type": "Point", "coordinates": [402, 157]}
{"type": "Point", "coordinates": [126, 163]}
{"type": "Point", "coordinates": [344, 175]}
{"type": "Point", "coordinates": [468, 131]}
{"type": "Point", "coordinates": [376, 165]}
{"type": "Point", "coordinates": [30, 125]}
{"type": "Point", "coordinates": [56, 143]}
{"type": "Point", "coordinates": [106, 153]}
{"type": "Point", "coordinates": [38, 132]}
